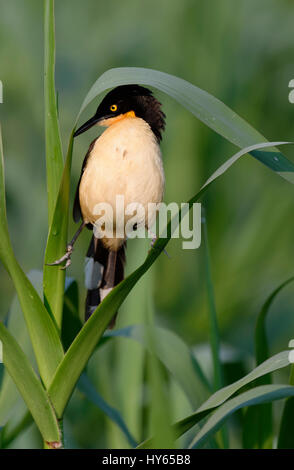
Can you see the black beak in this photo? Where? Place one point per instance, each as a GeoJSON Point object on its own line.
{"type": "Point", "coordinates": [91, 122]}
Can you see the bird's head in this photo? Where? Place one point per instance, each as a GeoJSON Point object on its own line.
{"type": "Point", "coordinates": [128, 101]}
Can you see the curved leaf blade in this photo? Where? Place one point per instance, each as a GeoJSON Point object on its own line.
{"type": "Point", "coordinates": [29, 387]}
{"type": "Point", "coordinates": [255, 396]}
{"type": "Point", "coordinates": [43, 333]}
{"type": "Point", "coordinates": [204, 106]}
{"type": "Point", "coordinates": [261, 343]}
{"type": "Point", "coordinates": [258, 420]}
{"type": "Point", "coordinates": [276, 362]}
{"type": "Point", "coordinates": [87, 388]}
{"type": "Point", "coordinates": [10, 399]}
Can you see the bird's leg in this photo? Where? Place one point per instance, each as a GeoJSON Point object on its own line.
{"type": "Point", "coordinates": [69, 250]}
{"type": "Point", "coordinates": [110, 269]}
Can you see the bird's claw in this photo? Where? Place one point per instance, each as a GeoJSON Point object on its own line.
{"type": "Point", "coordinates": [67, 264]}
{"type": "Point", "coordinates": [65, 257]}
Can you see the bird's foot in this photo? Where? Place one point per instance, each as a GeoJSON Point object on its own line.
{"type": "Point", "coordinates": [66, 257]}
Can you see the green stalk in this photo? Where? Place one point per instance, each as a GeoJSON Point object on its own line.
{"type": "Point", "coordinates": [54, 159]}
{"type": "Point", "coordinates": [53, 278]}
{"type": "Point", "coordinates": [214, 330]}
{"type": "Point", "coordinates": [42, 329]}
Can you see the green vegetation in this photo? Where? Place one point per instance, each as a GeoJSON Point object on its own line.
{"type": "Point", "coordinates": [183, 358]}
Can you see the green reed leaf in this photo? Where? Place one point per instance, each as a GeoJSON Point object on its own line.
{"type": "Point", "coordinates": [29, 387]}
{"type": "Point", "coordinates": [42, 329]}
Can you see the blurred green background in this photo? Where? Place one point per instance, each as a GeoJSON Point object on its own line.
{"type": "Point", "coordinates": [242, 52]}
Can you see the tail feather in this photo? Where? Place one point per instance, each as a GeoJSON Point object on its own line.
{"type": "Point", "coordinates": [104, 269]}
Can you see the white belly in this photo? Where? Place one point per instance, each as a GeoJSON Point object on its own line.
{"type": "Point", "coordinates": [125, 161]}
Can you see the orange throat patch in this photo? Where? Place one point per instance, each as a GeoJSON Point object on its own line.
{"type": "Point", "coordinates": [108, 122]}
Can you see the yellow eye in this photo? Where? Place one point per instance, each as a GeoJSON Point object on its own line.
{"type": "Point", "coordinates": [113, 107]}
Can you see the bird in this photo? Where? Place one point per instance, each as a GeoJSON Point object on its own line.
{"type": "Point", "coordinates": [125, 160]}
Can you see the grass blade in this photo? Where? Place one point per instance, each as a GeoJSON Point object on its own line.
{"type": "Point", "coordinates": [11, 402]}
{"type": "Point", "coordinates": [43, 333]}
{"type": "Point", "coordinates": [57, 177]}
{"type": "Point", "coordinates": [276, 362]}
{"type": "Point", "coordinates": [160, 410]}
{"type": "Point", "coordinates": [126, 381]}
{"type": "Point", "coordinates": [54, 158]}
{"type": "Point", "coordinates": [71, 323]}
{"type": "Point", "coordinates": [159, 406]}
{"type": "Point", "coordinates": [54, 277]}
{"type": "Point", "coordinates": [87, 388]}
{"type": "Point", "coordinates": [261, 343]}
{"type": "Point", "coordinates": [255, 396]}
{"type": "Point", "coordinates": [221, 396]}
{"type": "Point", "coordinates": [258, 420]}
{"type": "Point", "coordinates": [29, 387]}
{"type": "Point", "coordinates": [286, 438]}
{"type": "Point", "coordinates": [214, 330]}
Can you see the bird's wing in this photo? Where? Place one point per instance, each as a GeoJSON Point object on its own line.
{"type": "Point", "coordinates": [77, 214]}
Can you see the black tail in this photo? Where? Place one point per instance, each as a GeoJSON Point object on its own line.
{"type": "Point", "coordinates": [104, 269]}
